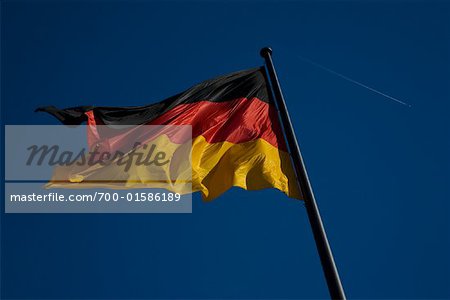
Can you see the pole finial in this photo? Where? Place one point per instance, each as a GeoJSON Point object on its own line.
{"type": "Point", "coordinates": [265, 51]}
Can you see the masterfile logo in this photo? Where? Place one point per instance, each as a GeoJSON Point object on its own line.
{"type": "Point", "coordinates": [62, 168]}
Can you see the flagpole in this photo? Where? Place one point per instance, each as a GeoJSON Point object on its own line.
{"type": "Point", "coordinates": [323, 247]}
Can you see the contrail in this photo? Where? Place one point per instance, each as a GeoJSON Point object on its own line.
{"type": "Point", "coordinates": [353, 81]}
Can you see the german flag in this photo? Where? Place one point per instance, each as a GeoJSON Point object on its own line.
{"type": "Point", "coordinates": [237, 139]}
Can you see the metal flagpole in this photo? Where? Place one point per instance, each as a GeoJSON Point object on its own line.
{"type": "Point", "coordinates": [323, 247]}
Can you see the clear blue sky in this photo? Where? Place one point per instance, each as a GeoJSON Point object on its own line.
{"type": "Point", "coordinates": [380, 170]}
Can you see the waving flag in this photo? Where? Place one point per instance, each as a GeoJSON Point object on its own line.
{"type": "Point", "coordinates": [237, 139]}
